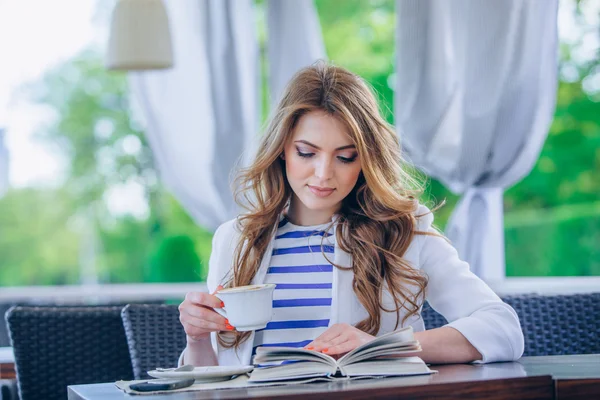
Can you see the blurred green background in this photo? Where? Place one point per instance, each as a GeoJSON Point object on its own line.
{"type": "Point", "coordinates": [67, 234]}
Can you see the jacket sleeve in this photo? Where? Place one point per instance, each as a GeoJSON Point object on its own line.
{"type": "Point", "coordinates": [212, 278]}
{"type": "Point", "coordinates": [221, 256]}
{"type": "Point", "coordinates": [221, 240]}
{"type": "Point", "coordinates": [468, 303]}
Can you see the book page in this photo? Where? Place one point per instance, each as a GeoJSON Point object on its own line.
{"type": "Point", "coordinates": [397, 339]}
{"type": "Point", "coordinates": [274, 354]}
{"type": "Point", "coordinates": [388, 367]}
{"type": "Point", "coordinates": [375, 354]}
{"type": "Point", "coordinates": [299, 370]}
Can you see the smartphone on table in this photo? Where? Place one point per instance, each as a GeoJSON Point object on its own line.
{"type": "Point", "coordinates": [161, 384]}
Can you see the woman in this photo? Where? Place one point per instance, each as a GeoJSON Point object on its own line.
{"type": "Point", "coordinates": [334, 219]}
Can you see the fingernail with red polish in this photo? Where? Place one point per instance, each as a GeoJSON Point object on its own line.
{"type": "Point", "coordinates": [227, 322]}
{"type": "Point", "coordinates": [324, 350]}
{"type": "Point", "coordinates": [309, 348]}
{"type": "Point", "coordinates": [222, 304]}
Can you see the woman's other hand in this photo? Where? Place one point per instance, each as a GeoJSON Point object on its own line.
{"type": "Point", "coordinates": [339, 339]}
{"type": "Point", "coordinates": [198, 317]}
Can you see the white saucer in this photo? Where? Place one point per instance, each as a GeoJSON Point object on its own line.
{"type": "Point", "coordinates": [204, 374]}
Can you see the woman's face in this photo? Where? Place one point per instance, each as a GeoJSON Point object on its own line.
{"type": "Point", "coordinates": [322, 166]}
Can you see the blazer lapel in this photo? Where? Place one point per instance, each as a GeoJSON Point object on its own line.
{"type": "Point", "coordinates": [261, 274]}
{"type": "Point", "coordinates": [342, 294]}
{"type": "Point", "coordinates": [245, 349]}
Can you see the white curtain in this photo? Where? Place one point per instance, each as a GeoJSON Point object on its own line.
{"type": "Point", "coordinates": [475, 95]}
{"type": "Point", "coordinates": [3, 164]}
{"type": "Point", "coordinates": [294, 41]}
{"type": "Point", "coordinates": [202, 117]}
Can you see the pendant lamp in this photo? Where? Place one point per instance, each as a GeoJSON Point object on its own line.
{"type": "Point", "coordinates": [140, 38]}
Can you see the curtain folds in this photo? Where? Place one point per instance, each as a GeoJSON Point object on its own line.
{"type": "Point", "coordinates": [295, 41]}
{"type": "Point", "coordinates": [475, 96]}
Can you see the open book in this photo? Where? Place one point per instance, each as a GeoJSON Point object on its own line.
{"type": "Point", "coordinates": [383, 356]}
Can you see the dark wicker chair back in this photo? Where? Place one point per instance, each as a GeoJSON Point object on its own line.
{"type": "Point", "coordinates": [59, 346]}
{"type": "Point", "coordinates": [552, 325]}
{"type": "Point", "coordinates": [432, 318]}
{"type": "Point", "coordinates": [4, 339]}
{"type": "Point", "coordinates": [155, 336]}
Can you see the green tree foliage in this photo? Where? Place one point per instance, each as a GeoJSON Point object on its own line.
{"type": "Point", "coordinates": [552, 220]}
{"type": "Point", "coordinates": [38, 242]}
{"type": "Point", "coordinates": [105, 148]}
{"type": "Point", "coordinates": [175, 260]}
{"type": "Point", "coordinates": [359, 35]}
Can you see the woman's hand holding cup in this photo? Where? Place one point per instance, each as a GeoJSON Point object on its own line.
{"type": "Point", "coordinates": [198, 317]}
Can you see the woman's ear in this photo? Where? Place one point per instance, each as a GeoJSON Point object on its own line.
{"type": "Point", "coordinates": [282, 156]}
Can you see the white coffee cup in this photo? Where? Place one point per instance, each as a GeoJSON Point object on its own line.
{"type": "Point", "coordinates": [247, 308]}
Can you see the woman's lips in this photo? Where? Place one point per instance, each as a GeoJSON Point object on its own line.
{"type": "Point", "coordinates": [320, 192]}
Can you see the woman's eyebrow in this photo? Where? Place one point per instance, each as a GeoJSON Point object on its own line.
{"type": "Point", "coordinates": [349, 146]}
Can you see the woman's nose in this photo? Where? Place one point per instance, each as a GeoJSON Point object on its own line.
{"type": "Point", "coordinates": [324, 169]}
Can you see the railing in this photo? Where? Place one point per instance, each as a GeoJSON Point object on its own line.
{"type": "Point", "coordinates": [123, 293]}
{"type": "Point", "coordinates": [547, 286]}
{"type": "Point", "coordinates": [98, 294]}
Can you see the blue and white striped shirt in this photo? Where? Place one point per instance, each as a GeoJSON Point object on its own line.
{"type": "Point", "coordinates": [304, 276]}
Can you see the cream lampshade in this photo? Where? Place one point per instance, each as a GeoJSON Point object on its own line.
{"type": "Point", "coordinates": [140, 38]}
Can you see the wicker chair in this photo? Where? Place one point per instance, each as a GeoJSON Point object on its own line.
{"type": "Point", "coordinates": [4, 339]}
{"type": "Point", "coordinates": [552, 325]}
{"type": "Point", "coordinates": [8, 390]}
{"type": "Point", "coordinates": [59, 346]}
{"type": "Point", "coordinates": [154, 335]}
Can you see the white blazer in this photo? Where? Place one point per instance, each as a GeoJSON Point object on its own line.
{"type": "Point", "coordinates": [469, 305]}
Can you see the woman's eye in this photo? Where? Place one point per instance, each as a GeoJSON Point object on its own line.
{"type": "Point", "coordinates": [347, 160]}
{"type": "Point", "coordinates": [304, 155]}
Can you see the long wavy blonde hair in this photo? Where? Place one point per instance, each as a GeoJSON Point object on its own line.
{"type": "Point", "coordinates": [376, 221]}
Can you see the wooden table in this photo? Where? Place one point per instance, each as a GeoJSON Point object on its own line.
{"type": "Point", "coordinates": [8, 375]}
{"type": "Point", "coordinates": [7, 363]}
{"type": "Point", "coordinates": [560, 377]}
